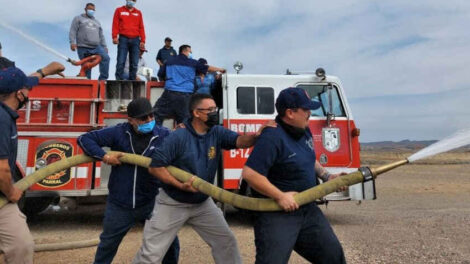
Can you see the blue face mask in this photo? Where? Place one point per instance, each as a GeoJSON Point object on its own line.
{"type": "Point", "coordinates": [147, 127]}
{"type": "Point", "coordinates": [190, 56]}
{"type": "Point", "coordinates": [90, 13]}
{"type": "Point", "coordinates": [130, 4]}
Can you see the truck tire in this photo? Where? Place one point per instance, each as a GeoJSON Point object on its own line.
{"type": "Point", "coordinates": [35, 205]}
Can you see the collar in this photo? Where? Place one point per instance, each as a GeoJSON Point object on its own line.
{"type": "Point", "coordinates": [294, 132]}
{"type": "Point", "coordinates": [14, 115]}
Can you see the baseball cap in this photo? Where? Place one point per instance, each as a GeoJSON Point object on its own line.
{"type": "Point", "coordinates": [139, 107]}
{"type": "Point", "coordinates": [291, 98]}
{"type": "Point", "coordinates": [13, 79]}
{"type": "Point", "coordinates": [168, 39]}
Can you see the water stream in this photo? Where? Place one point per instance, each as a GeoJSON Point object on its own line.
{"type": "Point", "coordinates": [459, 139]}
{"type": "Point", "coordinates": [33, 40]}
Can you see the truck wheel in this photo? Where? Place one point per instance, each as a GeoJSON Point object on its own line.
{"type": "Point", "coordinates": [35, 205]}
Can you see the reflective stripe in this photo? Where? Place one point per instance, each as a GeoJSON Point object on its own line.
{"type": "Point", "coordinates": [97, 172]}
{"type": "Point", "coordinates": [29, 170]}
{"type": "Point", "coordinates": [82, 173]}
{"type": "Point", "coordinates": [232, 174]}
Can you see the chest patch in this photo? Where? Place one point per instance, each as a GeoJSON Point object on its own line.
{"type": "Point", "coordinates": [211, 153]}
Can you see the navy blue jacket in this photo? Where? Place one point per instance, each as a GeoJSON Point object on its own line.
{"type": "Point", "coordinates": [194, 153]}
{"type": "Point", "coordinates": [129, 186]}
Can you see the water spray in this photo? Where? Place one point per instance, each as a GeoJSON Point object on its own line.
{"type": "Point", "coordinates": [35, 41]}
{"type": "Point", "coordinates": [86, 63]}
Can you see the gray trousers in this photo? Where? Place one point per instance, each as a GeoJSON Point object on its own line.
{"type": "Point", "coordinates": [169, 216]}
{"type": "Point", "coordinates": [16, 241]}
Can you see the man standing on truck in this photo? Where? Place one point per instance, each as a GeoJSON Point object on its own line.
{"type": "Point", "coordinates": [179, 73]}
{"type": "Point", "coordinates": [132, 189]}
{"type": "Point", "coordinates": [87, 38]}
{"type": "Point", "coordinates": [16, 241]}
{"type": "Point", "coordinates": [197, 149]}
{"type": "Point", "coordinates": [166, 52]}
{"type": "Point", "coordinates": [281, 165]}
{"type": "Point", "coordinates": [128, 24]}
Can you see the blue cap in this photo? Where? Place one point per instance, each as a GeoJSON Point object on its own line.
{"type": "Point", "coordinates": [292, 98]}
{"type": "Point", "coordinates": [13, 79]}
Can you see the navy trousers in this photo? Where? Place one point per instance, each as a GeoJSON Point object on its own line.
{"type": "Point", "coordinates": [306, 231]}
{"type": "Point", "coordinates": [116, 223]}
{"type": "Point", "coordinates": [172, 105]}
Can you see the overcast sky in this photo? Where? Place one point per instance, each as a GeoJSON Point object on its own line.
{"type": "Point", "coordinates": [404, 64]}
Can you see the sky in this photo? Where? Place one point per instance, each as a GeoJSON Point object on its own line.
{"type": "Point", "coordinates": [404, 64]}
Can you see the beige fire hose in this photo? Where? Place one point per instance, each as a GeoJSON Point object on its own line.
{"type": "Point", "coordinates": [240, 201]}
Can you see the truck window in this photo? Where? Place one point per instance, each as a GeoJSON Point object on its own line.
{"type": "Point", "coordinates": [319, 93]}
{"type": "Point", "coordinates": [265, 100]}
{"type": "Point", "coordinates": [264, 103]}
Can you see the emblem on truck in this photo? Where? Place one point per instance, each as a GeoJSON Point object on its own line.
{"type": "Point", "coordinates": [330, 138]}
{"type": "Point", "coordinates": [50, 152]}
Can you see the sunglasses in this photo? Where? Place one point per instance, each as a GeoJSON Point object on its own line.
{"type": "Point", "coordinates": [210, 109]}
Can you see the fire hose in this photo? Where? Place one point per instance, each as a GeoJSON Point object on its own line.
{"type": "Point", "coordinates": [240, 201]}
{"type": "Point", "coordinates": [86, 63]}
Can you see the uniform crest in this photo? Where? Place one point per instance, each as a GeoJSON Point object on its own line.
{"type": "Point", "coordinates": [211, 153]}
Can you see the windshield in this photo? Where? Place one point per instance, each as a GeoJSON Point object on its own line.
{"type": "Point", "coordinates": [319, 93]}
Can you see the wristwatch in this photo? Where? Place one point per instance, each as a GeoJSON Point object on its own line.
{"type": "Point", "coordinates": [41, 72]}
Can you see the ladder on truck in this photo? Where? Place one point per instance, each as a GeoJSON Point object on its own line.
{"type": "Point", "coordinates": [68, 117]}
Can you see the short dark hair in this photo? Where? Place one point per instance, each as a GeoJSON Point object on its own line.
{"type": "Point", "coordinates": [89, 4]}
{"type": "Point", "coordinates": [183, 48]}
{"type": "Point", "coordinates": [196, 99]}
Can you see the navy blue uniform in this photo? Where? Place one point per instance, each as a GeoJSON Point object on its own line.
{"type": "Point", "coordinates": [165, 53]}
{"type": "Point", "coordinates": [132, 189]}
{"type": "Point", "coordinates": [179, 73]}
{"type": "Point", "coordinates": [289, 164]}
{"type": "Point", "coordinates": [9, 136]}
{"type": "Point", "coordinates": [194, 153]}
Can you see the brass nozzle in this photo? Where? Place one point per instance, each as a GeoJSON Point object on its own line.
{"type": "Point", "coordinates": [385, 168]}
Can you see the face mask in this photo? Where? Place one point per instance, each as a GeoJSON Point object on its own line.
{"type": "Point", "coordinates": [90, 12]}
{"type": "Point", "coordinates": [147, 127]}
{"type": "Point", "coordinates": [212, 119]}
{"type": "Point", "coordinates": [22, 103]}
{"type": "Point", "coordinates": [190, 56]}
{"type": "Point", "coordinates": [130, 4]}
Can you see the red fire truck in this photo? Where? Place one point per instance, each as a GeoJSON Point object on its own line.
{"type": "Point", "coordinates": [62, 109]}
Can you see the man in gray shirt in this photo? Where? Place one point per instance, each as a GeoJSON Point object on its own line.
{"type": "Point", "coordinates": [86, 36]}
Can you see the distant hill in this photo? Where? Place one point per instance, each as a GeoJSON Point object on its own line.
{"type": "Point", "coordinates": [411, 145]}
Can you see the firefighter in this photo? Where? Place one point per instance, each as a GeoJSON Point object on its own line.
{"type": "Point", "coordinates": [166, 52]}
{"type": "Point", "coordinates": [196, 149]}
{"type": "Point", "coordinates": [179, 73]}
{"type": "Point", "coordinates": [87, 38]}
{"type": "Point", "coordinates": [281, 165]}
{"type": "Point", "coordinates": [16, 241]}
{"type": "Point", "coordinates": [132, 189]}
{"type": "Point", "coordinates": [128, 24]}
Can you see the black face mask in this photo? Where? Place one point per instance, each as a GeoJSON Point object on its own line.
{"type": "Point", "coordinates": [295, 132]}
{"type": "Point", "coordinates": [212, 119]}
{"type": "Point", "coordinates": [22, 103]}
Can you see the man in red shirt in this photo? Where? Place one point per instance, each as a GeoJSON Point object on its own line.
{"type": "Point", "coordinates": [129, 25]}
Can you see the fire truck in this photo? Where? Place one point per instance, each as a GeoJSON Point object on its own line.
{"type": "Point", "coordinates": [61, 109]}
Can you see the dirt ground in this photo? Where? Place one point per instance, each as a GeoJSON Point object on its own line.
{"type": "Point", "coordinates": [422, 215]}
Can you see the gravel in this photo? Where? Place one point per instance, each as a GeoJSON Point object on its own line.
{"type": "Point", "coordinates": [422, 215]}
